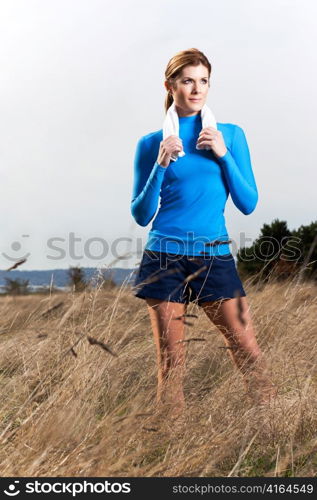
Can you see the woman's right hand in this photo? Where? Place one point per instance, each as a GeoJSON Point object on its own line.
{"type": "Point", "coordinates": [172, 144]}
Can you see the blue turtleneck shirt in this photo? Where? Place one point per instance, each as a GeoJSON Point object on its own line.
{"type": "Point", "coordinates": [193, 190]}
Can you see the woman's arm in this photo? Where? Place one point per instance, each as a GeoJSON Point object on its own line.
{"type": "Point", "coordinates": [147, 183]}
{"type": "Point", "coordinates": [239, 175]}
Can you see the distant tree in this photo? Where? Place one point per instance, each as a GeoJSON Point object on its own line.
{"type": "Point", "coordinates": [275, 247]}
{"type": "Point", "coordinates": [16, 286]}
{"type": "Point", "coordinates": [108, 283]}
{"type": "Point", "coordinates": [272, 239]}
{"type": "Point", "coordinates": [105, 280]}
{"type": "Point", "coordinates": [307, 242]}
{"type": "Point", "coordinates": [265, 251]}
{"type": "Point", "coordinates": [77, 278]}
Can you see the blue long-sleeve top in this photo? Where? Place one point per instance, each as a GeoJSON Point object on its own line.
{"type": "Point", "coordinates": [193, 190]}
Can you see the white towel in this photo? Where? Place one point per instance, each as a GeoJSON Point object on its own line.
{"type": "Point", "coordinates": [171, 125]}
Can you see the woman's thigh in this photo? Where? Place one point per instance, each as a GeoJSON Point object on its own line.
{"type": "Point", "coordinates": [167, 320]}
{"type": "Point", "coordinates": [233, 318]}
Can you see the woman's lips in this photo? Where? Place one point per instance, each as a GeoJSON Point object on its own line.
{"type": "Point", "coordinates": [195, 100]}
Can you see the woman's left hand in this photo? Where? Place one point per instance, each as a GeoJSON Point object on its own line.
{"type": "Point", "coordinates": [212, 137]}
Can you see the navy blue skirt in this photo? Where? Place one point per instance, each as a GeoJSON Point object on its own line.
{"type": "Point", "coordinates": [184, 278]}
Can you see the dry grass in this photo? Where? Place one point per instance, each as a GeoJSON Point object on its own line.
{"type": "Point", "coordinates": [74, 407]}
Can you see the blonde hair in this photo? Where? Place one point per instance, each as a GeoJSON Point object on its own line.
{"type": "Point", "coordinates": [192, 57]}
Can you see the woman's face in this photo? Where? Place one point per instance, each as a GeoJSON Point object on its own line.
{"type": "Point", "coordinates": [193, 83]}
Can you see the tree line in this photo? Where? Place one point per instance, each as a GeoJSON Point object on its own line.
{"type": "Point", "coordinates": [76, 282]}
{"type": "Point", "coordinates": [279, 252]}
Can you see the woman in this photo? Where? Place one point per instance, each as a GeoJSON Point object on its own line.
{"type": "Point", "coordinates": [187, 257]}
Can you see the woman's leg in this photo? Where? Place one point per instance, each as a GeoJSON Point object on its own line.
{"type": "Point", "coordinates": [236, 326]}
{"type": "Point", "coordinates": [167, 322]}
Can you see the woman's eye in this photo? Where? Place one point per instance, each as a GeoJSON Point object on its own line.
{"type": "Point", "coordinates": [204, 81]}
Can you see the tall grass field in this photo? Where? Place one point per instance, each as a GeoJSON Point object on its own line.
{"type": "Point", "coordinates": [78, 385]}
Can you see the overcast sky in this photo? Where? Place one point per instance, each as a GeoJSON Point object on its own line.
{"type": "Point", "coordinates": [81, 81]}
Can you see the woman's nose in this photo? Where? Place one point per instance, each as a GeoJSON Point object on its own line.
{"type": "Point", "coordinates": [197, 89]}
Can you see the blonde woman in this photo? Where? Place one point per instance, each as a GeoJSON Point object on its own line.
{"type": "Point", "coordinates": [187, 256]}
